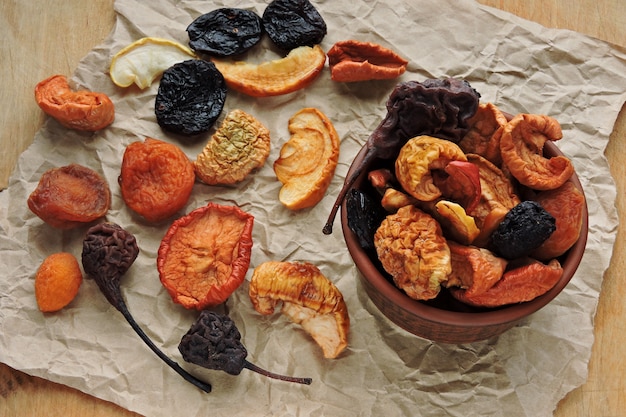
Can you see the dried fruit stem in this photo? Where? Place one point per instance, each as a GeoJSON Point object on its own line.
{"type": "Point", "coordinates": [253, 367]}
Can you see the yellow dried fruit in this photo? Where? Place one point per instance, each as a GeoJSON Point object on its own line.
{"type": "Point", "coordinates": [57, 281]}
{"type": "Point", "coordinates": [144, 60]}
{"type": "Point", "coordinates": [271, 78]}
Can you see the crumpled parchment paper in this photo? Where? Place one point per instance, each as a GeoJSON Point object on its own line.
{"type": "Point", "coordinates": [519, 65]}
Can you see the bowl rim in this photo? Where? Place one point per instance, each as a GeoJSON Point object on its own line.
{"type": "Point", "coordinates": [488, 317]}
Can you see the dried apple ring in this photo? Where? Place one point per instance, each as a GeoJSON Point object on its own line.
{"type": "Point", "coordinates": [271, 78]}
{"type": "Point", "coordinates": [353, 60]}
{"type": "Point", "coordinates": [70, 196]}
{"type": "Point", "coordinates": [156, 179]}
{"type": "Point", "coordinates": [80, 110]}
{"type": "Point", "coordinates": [144, 60]}
{"type": "Point", "coordinates": [204, 256]}
{"type": "Point", "coordinates": [239, 146]}
{"type": "Point", "coordinates": [521, 147]}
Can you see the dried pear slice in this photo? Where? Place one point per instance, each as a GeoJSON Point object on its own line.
{"type": "Point", "coordinates": [144, 60]}
{"type": "Point", "coordinates": [271, 78]}
{"type": "Point", "coordinates": [307, 160]}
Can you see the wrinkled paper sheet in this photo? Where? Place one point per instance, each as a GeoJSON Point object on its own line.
{"type": "Point", "coordinates": [519, 65]}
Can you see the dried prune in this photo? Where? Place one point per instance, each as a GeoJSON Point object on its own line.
{"type": "Point", "coordinates": [364, 216]}
{"type": "Point", "coordinates": [293, 23]}
{"type": "Point", "coordinates": [191, 97]}
{"type": "Point", "coordinates": [525, 227]}
{"type": "Point", "coordinates": [225, 32]}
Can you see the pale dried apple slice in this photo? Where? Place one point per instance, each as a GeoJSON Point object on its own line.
{"type": "Point", "coordinates": [144, 60]}
{"type": "Point", "coordinates": [307, 160]}
{"type": "Point", "coordinates": [295, 71]}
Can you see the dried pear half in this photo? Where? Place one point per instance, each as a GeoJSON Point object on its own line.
{"type": "Point", "coordinates": [307, 160]}
{"type": "Point", "coordinates": [144, 60]}
{"type": "Point", "coordinates": [295, 71]}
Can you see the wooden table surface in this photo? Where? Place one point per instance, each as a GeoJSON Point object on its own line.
{"type": "Point", "coordinates": [45, 37]}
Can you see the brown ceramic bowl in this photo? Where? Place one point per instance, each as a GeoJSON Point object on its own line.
{"type": "Point", "coordinates": [444, 319]}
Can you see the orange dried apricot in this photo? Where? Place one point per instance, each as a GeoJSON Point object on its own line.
{"type": "Point", "coordinates": [57, 281]}
{"type": "Point", "coordinates": [204, 256]}
{"type": "Point", "coordinates": [156, 179]}
{"type": "Point", "coordinates": [353, 60]}
{"type": "Point", "coordinates": [80, 110]}
{"type": "Point", "coordinates": [70, 196]}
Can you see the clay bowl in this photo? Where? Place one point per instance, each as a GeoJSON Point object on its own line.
{"type": "Point", "coordinates": [444, 319]}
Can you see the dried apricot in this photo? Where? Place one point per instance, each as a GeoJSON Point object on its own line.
{"type": "Point", "coordinates": [204, 256]}
{"type": "Point", "coordinates": [353, 60]}
{"type": "Point", "coordinates": [271, 78]}
{"type": "Point", "coordinates": [70, 196]}
{"type": "Point", "coordinates": [80, 110]}
{"type": "Point", "coordinates": [57, 281]}
{"type": "Point", "coordinates": [144, 60]}
{"type": "Point", "coordinates": [156, 179]}
{"type": "Point", "coordinates": [239, 146]}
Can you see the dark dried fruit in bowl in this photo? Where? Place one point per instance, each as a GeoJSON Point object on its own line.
{"type": "Point", "coordinates": [436, 107]}
{"type": "Point", "coordinates": [214, 342]}
{"type": "Point", "coordinates": [293, 23]}
{"type": "Point", "coordinates": [364, 216]}
{"type": "Point", "coordinates": [525, 227]}
{"type": "Point", "coordinates": [191, 97]}
{"type": "Point", "coordinates": [225, 31]}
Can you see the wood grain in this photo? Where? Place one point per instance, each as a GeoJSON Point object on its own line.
{"type": "Point", "coordinates": [44, 37]}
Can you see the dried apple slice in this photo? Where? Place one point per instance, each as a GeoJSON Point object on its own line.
{"type": "Point", "coordinates": [144, 60]}
{"type": "Point", "coordinates": [271, 78]}
{"type": "Point", "coordinates": [307, 160]}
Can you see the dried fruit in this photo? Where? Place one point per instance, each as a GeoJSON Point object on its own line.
{"type": "Point", "coordinates": [524, 228]}
{"type": "Point", "coordinates": [144, 60]}
{"type": "Point", "coordinates": [412, 249]}
{"type": "Point", "coordinates": [566, 204]}
{"type": "Point", "coordinates": [271, 78]}
{"type": "Point", "coordinates": [57, 281]}
{"type": "Point", "coordinates": [293, 23]}
{"type": "Point", "coordinates": [70, 196]}
{"type": "Point", "coordinates": [352, 61]}
{"type": "Point", "coordinates": [156, 179]}
{"type": "Point", "coordinates": [191, 97]}
{"type": "Point", "coordinates": [225, 31]}
{"type": "Point", "coordinates": [308, 298]}
{"type": "Point", "coordinates": [108, 252]}
{"type": "Point", "coordinates": [521, 147]}
{"type": "Point", "coordinates": [474, 269]}
{"type": "Point", "coordinates": [204, 256]}
{"type": "Point", "coordinates": [214, 342]}
{"type": "Point", "coordinates": [307, 160]}
{"type": "Point", "coordinates": [239, 146]}
{"type": "Point", "coordinates": [486, 128]}
{"type": "Point", "coordinates": [518, 285]}
{"type": "Point", "coordinates": [438, 108]}
{"type": "Point", "coordinates": [80, 110]}
{"type": "Point", "coordinates": [364, 215]}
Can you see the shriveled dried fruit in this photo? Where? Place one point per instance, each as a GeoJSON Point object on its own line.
{"type": "Point", "coordinates": [156, 179]}
{"type": "Point", "coordinates": [309, 299]}
{"type": "Point", "coordinates": [57, 281]}
{"type": "Point", "coordinates": [352, 61]}
{"type": "Point", "coordinates": [307, 160]}
{"type": "Point", "coordinates": [293, 23]}
{"type": "Point", "coordinates": [412, 249]}
{"type": "Point", "coordinates": [483, 137]}
{"type": "Point", "coordinates": [518, 285]}
{"type": "Point", "coordinates": [521, 147]}
{"type": "Point", "coordinates": [80, 110]}
{"type": "Point", "coordinates": [191, 97]}
{"type": "Point", "coordinates": [566, 204]}
{"type": "Point", "coordinates": [225, 31]}
{"type": "Point", "coordinates": [70, 196]}
{"type": "Point", "coordinates": [239, 146]}
{"type": "Point", "coordinates": [214, 342]}
{"type": "Point", "coordinates": [474, 269]}
{"type": "Point", "coordinates": [204, 256]}
{"type": "Point", "coordinates": [144, 60]}
{"type": "Point", "coordinates": [455, 222]}
{"type": "Point", "coordinates": [364, 216]}
{"type": "Point", "coordinates": [524, 228]}
{"type": "Point", "coordinates": [271, 78]}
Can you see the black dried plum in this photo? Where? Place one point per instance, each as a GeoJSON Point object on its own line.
{"type": "Point", "coordinates": [293, 23]}
{"type": "Point", "coordinates": [364, 216]}
{"type": "Point", "coordinates": [191, 97]}
{"type": "Point", "coordinates": [225, 32]}
{"type": "Point", "coordinates": [525, 227]}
